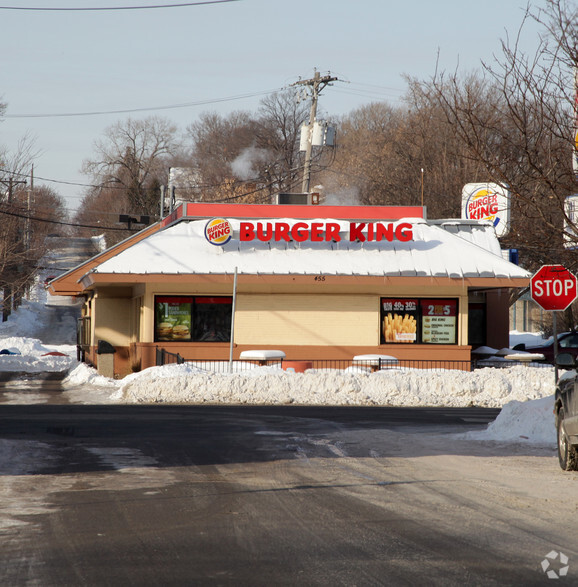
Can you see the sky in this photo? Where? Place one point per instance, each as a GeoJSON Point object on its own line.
{"type": "Point", "coordinates": [219, 58]}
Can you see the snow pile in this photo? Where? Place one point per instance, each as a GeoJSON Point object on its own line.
{"type": "Point", "coordinates": [99, 242]}
{"type": "Point", "coordinates": [82, 374]}
{"type": "Point", "coordinates": [393, 387]}
{"type": "Point", "coordinates": [530, 339]}
{"type": "Point", "coordinates": [34, 357]}
{"type": "Point", "coordinates": [27, 321]}
{"type": "Point", "coordinates": [529, 422]}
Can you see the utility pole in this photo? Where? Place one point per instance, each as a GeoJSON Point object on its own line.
{"type": "Point", "coordinates": [27, 231]}
{"type": "Point", "coordinates": [317, 84]}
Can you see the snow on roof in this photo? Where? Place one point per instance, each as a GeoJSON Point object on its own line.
{"type": "Point", "coordinates": [477, 232]}
{"type": "Point", "coordinates": [434, 252]}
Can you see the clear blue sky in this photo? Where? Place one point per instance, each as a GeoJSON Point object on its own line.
{"type": "Point", "coordinates": [68, 62]}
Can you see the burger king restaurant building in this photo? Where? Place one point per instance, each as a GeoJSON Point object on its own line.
{"type": "Point", "coordinates": [315, 282]}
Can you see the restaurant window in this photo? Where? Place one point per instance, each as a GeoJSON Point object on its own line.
{"type": "Point", "coordinates": [477, 324]}
{"type": "Point", "coordinates": [419, 321]}
{"type": "Point", "coordinates": [193, 318]}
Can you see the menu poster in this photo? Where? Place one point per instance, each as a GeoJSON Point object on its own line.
{"type": "Point", "coordinates": [439, 321]}
{"type": "Point", "coordinates": [399, 320]}
{"type": "Point", "coordinates": [173, 318]}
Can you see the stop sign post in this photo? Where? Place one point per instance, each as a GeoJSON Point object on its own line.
{"type": "Point", "coordinates": [553, 287]}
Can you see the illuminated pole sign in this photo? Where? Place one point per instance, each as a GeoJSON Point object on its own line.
{"type": "Point", "coordinates": [487, 201]}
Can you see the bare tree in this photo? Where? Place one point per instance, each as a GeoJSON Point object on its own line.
{"type": "Point", "coordinates": [516, 119]}
{"type": "Point", "coordinates": [99, 212]}
{"type": "Point", "coordinates": [18, 257]}
{"type": "Point", "coordinates": [401, 156]}
{"type": "Point", "coordinates": [245, 157]}
{"type": "Point", "coordinates": [217, 141]}
{"type": "Point", "coordinates": [131, 156]}
{"type": "Point", "coordinates": [364, 159]}
{"type": "Point", "coordinates": [280, 118]}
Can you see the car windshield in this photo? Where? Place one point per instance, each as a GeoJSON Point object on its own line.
{"type": "Point", "coordinates": [570, 341]}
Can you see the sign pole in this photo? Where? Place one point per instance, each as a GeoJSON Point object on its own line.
{"type": "Point", "coordinates": [555, 329]}
{"type": "Point", "coordinates": [233, 322]}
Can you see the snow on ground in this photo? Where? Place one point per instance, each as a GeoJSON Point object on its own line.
{"type": "Point", "coordinates": [525, 392]}
{"type": "Point", "coordinates": [530, 339]}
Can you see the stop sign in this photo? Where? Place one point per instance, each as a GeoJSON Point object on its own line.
{"type": "Point", "coordinates": [553, 287]}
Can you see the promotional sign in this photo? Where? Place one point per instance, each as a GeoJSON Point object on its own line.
{"type": "Point", "coordinates": [419, 321]}
{"type": "Point", "coordinates": [553, 287]}
{"type": "Point", "coordinates": [173, 318]}
{"type": "Point", "coordinates": [399, 322]}
{"type": "Point", "coordinates": [487, 201]}
{"type": "Point", "coordinates": [439, 319]}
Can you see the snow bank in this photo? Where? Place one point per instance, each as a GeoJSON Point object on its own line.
{"type": "Point", "coordinates": [488, 387]}
{"type": "Point", "coordinates": [530, 422]}
{"type": "Point", "coordinates": [26, 322]}
{"type": "Point", "coordinates": [528, 338]}
{"type": "Point", "coordinates": [85, 375]}
{"type": "Point", "coordinates": [34, 357]}
{"type": "Point", "coordinates": [99, 242]}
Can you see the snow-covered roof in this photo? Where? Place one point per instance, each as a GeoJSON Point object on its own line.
{"type": "Point", "coordinates": [433, 252]}
{"type": "Point", "coordinates": [478, 232]}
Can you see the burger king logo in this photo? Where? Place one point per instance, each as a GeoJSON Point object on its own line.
{"type": "Point", "coordinates": [483, 205]}
{"type": "Point", "coordinates": [218, 231]}
{"type": "Point", "coordinates": [489, 202]}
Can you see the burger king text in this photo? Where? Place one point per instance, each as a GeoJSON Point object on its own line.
{"type": "Point", "coordinates": [324, 231]}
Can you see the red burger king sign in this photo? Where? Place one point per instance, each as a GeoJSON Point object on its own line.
{"type": "Point", "coordinates": [218, 231]}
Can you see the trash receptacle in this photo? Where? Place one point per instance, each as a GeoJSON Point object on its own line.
{"type": "Point", "coordinates": [105, 352]}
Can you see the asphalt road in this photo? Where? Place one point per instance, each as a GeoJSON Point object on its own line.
{"type": "Point", "coordinates": [177, 495]}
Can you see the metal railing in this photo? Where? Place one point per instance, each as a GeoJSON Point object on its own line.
{"type": "Point", "coordinates": [164, 357]}
{"type": "Point", "coordinates": [82, 337]}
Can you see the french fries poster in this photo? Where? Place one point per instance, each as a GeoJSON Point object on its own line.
{"type": "Point", "coordinates": [399, 323]}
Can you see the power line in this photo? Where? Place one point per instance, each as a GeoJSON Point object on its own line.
{"type": "Point", "coordinates": [145, 109]}
{"type": "Point", "coordinates": [105, 8]}
{"type": "Point", "coordinates": [60, 222]}
{"type": "Point", "coordinates": [84, 185]}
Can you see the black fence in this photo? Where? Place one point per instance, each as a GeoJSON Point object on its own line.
{"type": "Point", "coordinates": [163, 357]}
{"type": "Point", "coordinates": [369, 365]}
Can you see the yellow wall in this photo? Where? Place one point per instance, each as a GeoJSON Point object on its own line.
{"type": "Point", "coordinates": [112, 320]}
{"type": "Point", "coordinates": [307, 319]}
{"type": "Point", "coordinates": [304, 315]}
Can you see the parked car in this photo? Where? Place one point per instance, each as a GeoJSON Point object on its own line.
{"type": "Point", "coordinates": [567, 343]}
{"type": "Point", "coordinates": [566, 412]}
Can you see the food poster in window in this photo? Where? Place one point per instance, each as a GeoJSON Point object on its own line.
{"type": "Point", "coordinates": [399, 320]}
{"type": "Point", "coordinates": [173, 318]}
{"type": "Point", "coordinates": [439, 321]}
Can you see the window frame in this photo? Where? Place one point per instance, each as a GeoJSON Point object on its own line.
{"type": "Point", "coordinates": [413, 307]}
{"type": "Point", "coordinates": [191, 319]}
